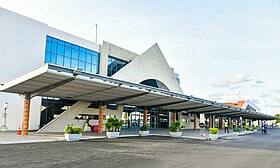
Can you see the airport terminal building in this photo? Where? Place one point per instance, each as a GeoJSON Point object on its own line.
{"type": "Point", "coordinates": [69, 80]}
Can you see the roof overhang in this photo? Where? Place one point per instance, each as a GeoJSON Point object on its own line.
{"type": "Point", "coordinates": [55, 81]}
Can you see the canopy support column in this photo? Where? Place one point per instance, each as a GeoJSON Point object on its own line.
{"type": "Point", "coordinates": [194, 121]}
{"type": "Point", "coordinates": [145, 116]}
{"type": "Point", "coordinates": [100, 118]}
{"type": "Point", "coordinates": [211, 121]}
{"type": "Point", "coordinates": [26, 113]}
{"type": "Point", "coordinates": [174, 117]}
{"type": "Point", "coordinates": [222, 122]}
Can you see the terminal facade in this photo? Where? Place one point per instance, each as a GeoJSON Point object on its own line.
{"type": "Point", "coordinates": [26, 44]}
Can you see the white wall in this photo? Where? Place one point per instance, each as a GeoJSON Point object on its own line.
{"type": "Point", "coordinates": [22, 46]}
{"type": "Point", "coordinates": [68, 117]}
{"type": "Point", "coordinates": [149, 65]}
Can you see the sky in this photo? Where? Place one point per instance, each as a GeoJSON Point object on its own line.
{"type": "Point", "coordinates": [223, 50]}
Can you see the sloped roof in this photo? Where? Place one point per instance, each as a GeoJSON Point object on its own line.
{"type": "Point", "coordinates": [239, 104]}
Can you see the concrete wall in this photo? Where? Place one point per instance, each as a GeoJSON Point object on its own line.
{"type": "Point", "coordinates": [68, 117]}
{"type": "Point", "coordinates": [22, 47]}
{"type": "Point", "coordinates": [110, 49]}
{"type": "Point", "coordinates": [150, 65]}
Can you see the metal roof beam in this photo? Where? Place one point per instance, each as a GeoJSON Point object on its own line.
{"type": "Point", "coordinates": [124, 98]}
{"type": "Point", "coordinates": [50, 87]}
{"type": "Point", "coordinates": [166, 104]}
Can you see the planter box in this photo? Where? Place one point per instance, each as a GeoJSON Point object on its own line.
{"type": "Point", "coordinates": [112, 134]}
{"type": "Point", "coordinates": [255, 130]}
{"type": "Point", "coordinates": [72, 137]}
{"type": "Point", "coordinates": [236, 133]}
{"type": "Point", "coordinates": [213, 137]}
{"type": "Point", "coordinates": [144, 133]}
{"type": "Point", "coordinates": [175, 134]}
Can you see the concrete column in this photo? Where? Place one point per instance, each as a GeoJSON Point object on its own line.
{"type": "Point", "coordinates": [210, 121]}
{"type": "Point", "coordinates": [145, 116]}
{"type": "Point", "coordinates": [25, 118]}
{"type": "Point", "coordinates": [230, 122]}
{"type": "Point", "coordinates": [194, 121]}
{"type": "Point", "coordinates": [100, 119]}
{"type": "Point", "coordinates": [222, 122]}
{"type": "Point", "coordinates": [250, 122]}
{"type": "Point", "coordinates": [174, 117]}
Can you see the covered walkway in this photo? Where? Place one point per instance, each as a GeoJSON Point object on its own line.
{"type": "Point", "coordinates": [60, 82]}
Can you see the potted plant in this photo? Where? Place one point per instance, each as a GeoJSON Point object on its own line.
{"type": "Point", "coordinates": [213, 133]}
{"type": "Point", "coordinates": [144, 130]}
{"type": "Point", "coordinates": [255, 128]}
{"type": "Point", "coordinates": [247, 129]}
{"type": "Point", "coordinates": [113, 126]}
{"type": "Point", "coordinates": [72, 133]}
{"type": "Point", "coordinates": [175, 128]}
{"type": "Point", "coordinates": [236, 131]}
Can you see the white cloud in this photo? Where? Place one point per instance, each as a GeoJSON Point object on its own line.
{"type": "Point", "coordinates": [235, 79]}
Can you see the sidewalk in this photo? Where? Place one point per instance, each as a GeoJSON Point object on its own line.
{"type": "Point", "coordinates": [33, 137]}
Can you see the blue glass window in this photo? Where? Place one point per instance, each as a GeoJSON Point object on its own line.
{"type": "Point", "coordinates": [47, 56]}
{"type": "Point", "coordinates": [60, 50]}
{"type": "Point", "coordinates": [54, 47]}
{"type": "Point", "coordinates": [70, 55]}
{"type": "Point", "coordinates": [74, 63]}
{"type": "Point", "coordinates": [114, 65]}
{"type": "Point", "coordinates": [48, 46]}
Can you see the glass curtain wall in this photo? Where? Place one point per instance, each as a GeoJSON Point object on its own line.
{"type": "Point", "coordinates": [114, 65]}
{"type": "Point", "coordinates": [69, 55]}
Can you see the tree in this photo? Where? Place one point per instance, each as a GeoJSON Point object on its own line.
{"type": "Point", "coordinates": [277, 120]}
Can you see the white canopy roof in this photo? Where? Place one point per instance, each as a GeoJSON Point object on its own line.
{"type": "Point", "coordinates": [60, 82]}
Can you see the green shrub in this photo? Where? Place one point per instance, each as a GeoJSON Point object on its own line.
{"type": "Point", "coordinates": [255, 127]}
{"type": "Point", "coordinates": [213, 130]}
{"type": "Point", "coordinates": [113, 124]}
{"type": "Point", "coordinates": [237, 129]}
{"type": "Point", "coordinates": [247, 128]}
{"type": "Point", "coordinates": [144, 127]}
{"type": "Point", "coordinates": [69, 129]}
{"type": "Point", "coordinates": [176, 126]}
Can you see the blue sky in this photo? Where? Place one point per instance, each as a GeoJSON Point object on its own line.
{"type": "Point", "coordinates": [223, 50]}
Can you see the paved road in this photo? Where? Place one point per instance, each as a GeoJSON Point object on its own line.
{"type": "Point", "coordinates": [251, 151]}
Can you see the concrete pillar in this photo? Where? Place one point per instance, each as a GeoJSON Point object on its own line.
{"type": "Point", "coordinates": [145, 116]}
{"type": "Point", "coordinates": [194, 121]}
{"type": "Point", "coordinates": [230, 122]}
{"type": "Point", "coordinates": [210, 121]}
{"type": "Point", "coordinates": [174, 117]}
{"type": "Point", "coordinates": [100, 119]}
{"type": "Point", "coordinates": [250, 122]}
{"type": "Point", "coordinates": [222, 122]}
{"type": "Point", "coordinates": [25, 118]}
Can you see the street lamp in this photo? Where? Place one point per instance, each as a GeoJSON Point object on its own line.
{"type": "Point", "coordinates": [4, 126]}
